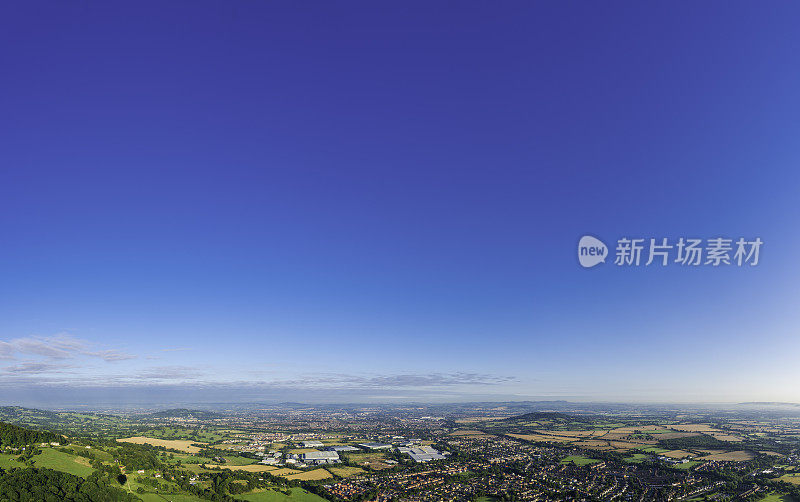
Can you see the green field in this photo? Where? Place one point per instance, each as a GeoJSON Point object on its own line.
{"type": "Point", "coordinates": [154, 497]}
{"type": "Point", "coordinates": [776, 497]}
{"type": "Point", "coordinates": [346, 470]}
{"type": "Point", "coordinates": [51, 459]}
{"type": "Point", "coordinates": [151, 496]}
{"type": "Point", "coordinates": [297, 495]}
{"type": "Point", "coordinates": [637, 458]}
{"type": "Point", "coordinates": [99, 454]}
{"type": "Point", "coordinates": [579, 460]}
{"type": "Point", "coordinates": [185, 458]}
{"type": "Point", "coordinates": [686, 465]}
{"type": "Point", "coordinates": [8, 461]}
{"type": "Point", "coordinates": [58, 461]}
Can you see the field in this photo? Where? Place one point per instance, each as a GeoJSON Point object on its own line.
{"type": "Point", "coordinates": [314, 475]}
{"type": "Point", "coordinates": [775, 497]}
{"type": "Point", "coordinates": [284, 471]}
{"type": "Point", "coordinates": [58, 461]}
{"type": "Point", "coordinates": [297, 495]}
{"type": "Point", "coordinates": [730, 456]}
{"type": "Point", "coordinates": [791, 478]}
{"type": "Point", "coordinates": [235, 460]}
{"type": "Point", "coordinates": [247, 468]}
{"type": "Point", "coordinates": [181, 433]}
{"type": "Point", "coordinates": [191, 459]}
{"type": "Point", "coordinates": [542, 438]}
{"type": "Point", "coordinates": [579, 460]}
{"type": "Point", "coordinates": [371, 460]}
{"type": "Point", "coordinates": [346, 471]}
{"type": "Point", "coordinates": [154, 497]}
{"type": "Point", "coordinates": [100, 454]}
{"type": "Point", "coordinates": [477, 419]}
{"type": "Point", "coordinates": [52, 459]}
{"type": "Point", "coordinates": [601, 435]}
{"type": "Point", "coordinates": [7, 461]}
{"type": "Point", "coordinates": [686, 465]}
{"type": "Point", "coordinates": [175, 444]}
{"type": "Point", "coordinates": [726, 437]}
{"type": "Point", "coordinates": [695, 428]}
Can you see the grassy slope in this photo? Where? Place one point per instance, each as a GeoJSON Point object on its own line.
{"type": "Point", "coordinates": [298, 495]}
{"type": "Point", "coordinates": [58, 461]}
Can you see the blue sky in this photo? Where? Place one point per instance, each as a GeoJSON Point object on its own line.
{"type": "Point", "coordinates": [382, 201]}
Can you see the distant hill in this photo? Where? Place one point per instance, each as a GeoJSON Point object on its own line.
{"type": "Point", "coordinates": [13, 413]}
{"type": "Point", "coordinates": [768, 403]}
{"type": "Point", "coordinates": [541, 415]}
{"type": "Point", "coordinates": [13, 435]}
{"type": "Point", "coordinates": [185, 413]}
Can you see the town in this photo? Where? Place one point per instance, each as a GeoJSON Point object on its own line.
{"type": "Point", "coordinates": [500, 451]}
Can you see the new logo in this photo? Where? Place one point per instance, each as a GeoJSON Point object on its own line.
{"type": "Point", "coordinates": [591, 251]}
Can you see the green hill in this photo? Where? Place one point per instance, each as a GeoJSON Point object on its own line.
{"type": "Point", "coordinates": [13, 435]}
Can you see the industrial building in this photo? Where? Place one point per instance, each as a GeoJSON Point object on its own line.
{"type": "Point", "coordinates": [320, 457]}
{"type": "Point", "coordinates": [311, 444]}
{"type": "Point", "coordinates": [375, 446]}
{"type": "Point", "coordinates": [342, 448]}
{"type": "Point", "coordinates": [423, 453]}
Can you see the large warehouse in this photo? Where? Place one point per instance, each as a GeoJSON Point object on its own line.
{"type": "Point", "coordinates": [320, 457]}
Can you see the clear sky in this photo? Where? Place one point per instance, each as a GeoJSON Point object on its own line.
{"type": "Point", "coordinates": [381, 201]}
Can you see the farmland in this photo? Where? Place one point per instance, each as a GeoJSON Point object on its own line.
{"type": "Point", "coordinates": [164, 455]}
{"type": "Point", "coordinates": [730, 456]}
{"type": "Point", "coordinates": [176, 444]}
{"type": "Point", "coordinates": [314, 475]}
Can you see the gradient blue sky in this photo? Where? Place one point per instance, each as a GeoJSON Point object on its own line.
{"type": "Point", "coordinates": [374, 201]}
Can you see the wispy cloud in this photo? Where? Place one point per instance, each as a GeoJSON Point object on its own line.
{"type": "Point", "coordinates": [433, 379]}
{"type": "Point", "coordinates": [22, 389]}
{"type": "Point", "coordinates": [41, 347]}
{"type": "Point", "coordinates": [110, 355]}
{"type": "Point", "coordinates": [406, 380]}
{"type": "Point", "coordinates": [6, 350]}
{"type": "Point", "coordinates": [169, 373]}
{"type": "Point", "coordinates": [193, 376]}
{"type": "Point", "coordinates": [36, 367]}
{"type": "Point", "coordinates": [58, 347]}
